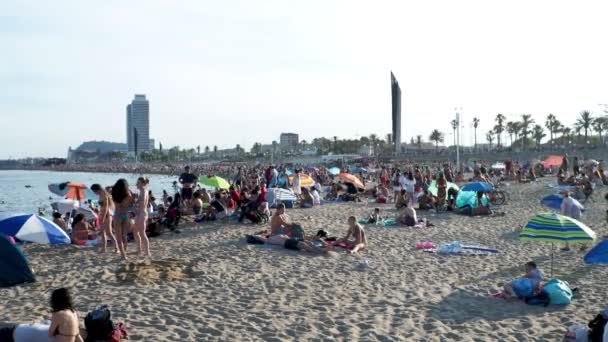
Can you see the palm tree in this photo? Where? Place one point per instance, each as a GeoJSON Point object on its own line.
{"type": "Point", "coordinates": [373, 138]}
{"type": "Point", "coordinates": [215, 151]}
{"type": "Point", "coordinates": [538, 134]}
{"type": "Point", "coordinates": [437, 137]}
{"type": "Point", "coordinates": [566, 131]}
{"type": "Point", "coordinates": [511, 130]}
{"type": "Point", "coordinates": [454, 124]}
{"type": "Point", "coordinates": [499, 128]}
{"type": "Point", "coordinates": [550, 124]}
{"type": "Point", "coordinates": [526, 121]}
{"type": "Point", "coordinates": [585, 121]}
{"type": "Point", "coordinates": [599, 125]}
{"type": "Point", "coordinates": [490, 138]}
{"type": "Point", "coordinates": [206, 149]}
{"type": "Point", "coordinates": [419, 141]}
{"type": "Point", "coordinates": [475, 125]}
{"type": "Point", "coordinates": [335, 144]}
{"type": "Point", "coordinates": [198, 149]}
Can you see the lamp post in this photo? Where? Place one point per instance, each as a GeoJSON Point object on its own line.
{"type": "Point", "coordinates": [458, 111]}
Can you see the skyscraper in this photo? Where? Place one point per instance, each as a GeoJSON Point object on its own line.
{"type": "Point", "coordinates": [138, 124]}
{"type": "Point", "coordinates": [396, 107]}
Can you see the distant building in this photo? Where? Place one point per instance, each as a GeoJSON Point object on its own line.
{"type": "Point", "coordinates": [152, 144]}
{"type": "Point", "coordinates": [138, 124]}
{"type": "Point", "coordinates": [396, 112]}
{"type": "Point", "coordinates": [102, 146]}
{"type": "Point", "coordinates": [289, 141]}
{"type": "Point", "coordinates": [365, 151]}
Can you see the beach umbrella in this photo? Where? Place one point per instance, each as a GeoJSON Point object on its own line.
{"type": "Point", "coordinates": [305, 180]}
{"type": "Point", "coordinates": [357, 169]}
{"type": "Point", "coordinates": [214, 182]}
{"type": "Point", "coordinates": [551, 227]}
{"type": "Point", "coordinates": [33, 228]}
{"type": "Point", "coordinates": [477, 186]}
{"type": "Point", "coordinates": [597, 254]}
{"type": "Point", "coordinates": [65, 206]}
{"type": "Point", "coordinates": [433, 187]}
{"type": "Point", "coordinates": [72, 190]}
{"type": "Point", "coordinates": [555, 202]}
{"type": "Point", "coordinates": [348, 178]}
{"type": "Point", "coordinates": [334, 170]}
{"type": "Point", "coordinates": [552, 161]}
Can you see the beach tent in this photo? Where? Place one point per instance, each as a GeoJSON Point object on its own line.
{"type": "Point", "coordinates": [552, 161]}
{"type": "Point", "coordinates": [551, 227]}
{"type": "Point", "coordinates": [275, 196]}
{"type": "Point", "coordinates": [469, 198]}
{"type": "Point", "coordinates": [334, 170]}
{"type": "Point", "coordinates": [33, 228]}
{"type": "Point", "coordinates": [555, 202]}
{"type": "Point", "coordinates": [73, 190]}
{"type": "Point", "coordinates": [477, 186]}
{"type": "Point", "coordinates": [14, 268]}
{"type": "Point", "coordinates": [598, 254]}
{"type": "Point", "coordinates": [433, 188]}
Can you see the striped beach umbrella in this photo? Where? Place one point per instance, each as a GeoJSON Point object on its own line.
{"type": "Point", "coordinates": [551, 227]}
{"type": "Point", "coordinates": [33, 228]}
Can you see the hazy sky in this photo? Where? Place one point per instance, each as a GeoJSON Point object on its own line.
{"type": "Point", "coordinates": [228, 72]}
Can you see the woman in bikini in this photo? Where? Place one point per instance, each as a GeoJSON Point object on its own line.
{"type": "Point", "coordinates": [141, 218]}
{"type": "Point", "coordinates": [122, 200]}
{"type": "Point", "coordinates": [64, 320]}
{"type": "Point", "coordinates": [106, 211]}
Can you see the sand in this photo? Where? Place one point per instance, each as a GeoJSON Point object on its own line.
{"type": "Point", "coordinates": [208, 284]}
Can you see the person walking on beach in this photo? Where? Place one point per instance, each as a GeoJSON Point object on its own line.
{"type": "Point", "coordinates": [141, 218]}
{"type": "Point", "coordinates": [571, 209]}
{"type": "Point", "coordinates": [297, 189]}
{"type": "Point", "coordinates": [122, 200]}
{"type": "Point", "coordinates": [106, 211]}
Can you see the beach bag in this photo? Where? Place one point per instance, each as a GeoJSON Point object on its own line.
{"type": "Point", "coordinates": [559, 291]}
{"type": "Point", "coordinates": [596, 328]}
{"type": "Point", "coordinates": [99, 324]}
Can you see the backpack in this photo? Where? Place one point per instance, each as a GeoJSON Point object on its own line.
{"type": "Point", "coordinates": [596, 328]}
{"type": "Point", "coordinates": [99, 324]}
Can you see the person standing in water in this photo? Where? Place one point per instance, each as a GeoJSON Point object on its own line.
{"type": "Point", "coordinates": [106, 211]}
{"type": "Point", "coordinates": [141, 218]}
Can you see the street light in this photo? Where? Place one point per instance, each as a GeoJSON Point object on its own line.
{"type": "Point", "coordinates": [458, 110]}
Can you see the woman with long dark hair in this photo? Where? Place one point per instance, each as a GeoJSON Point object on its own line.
{"type": "Point", "coordinates": [64, 320]}
{"type": "Point", "coordinates": [106, 212]}
{"type": "Point", "coordinates": [122, 200]}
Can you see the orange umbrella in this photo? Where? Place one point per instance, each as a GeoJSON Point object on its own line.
{"type": "Point", "coordinates": [305, 180]}
{"type": "Point", "coordinates": [348, 178]}
{"type": "Point", "coordinates": [72, 190]}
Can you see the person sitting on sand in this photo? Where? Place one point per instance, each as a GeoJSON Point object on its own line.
{"type": "Point", "coordinates": [426, 201]}
{"type": "Point", "coordinates": [525, 286]}
{"type": "Point", "coordinates": [58, 220]}
{"type": "Point", "coordinates": [483, 207]}
{"type": "Point", "coordinates": [64, 320]}
{"type": "Point", "coordinates": [197, 203]}
{"type": "Point", "coordinates": [408, 216]}
{"type": "Point", "coordinates": [219, 210]}
{"type": "Point", "coordinates": [401, 199]}
{"type": "Point", "coordinates": [374, 217]}
{"type": "Point", "coordinates": [279, 222]}
{"type": "Point", "coordinates": [306, 199]}
{"type": "Point", "coordinates": [314, 246]}
{"type": "Point", "coordinates": [355, 231]}
{"type": "Point", "coordinates": [81, 231]}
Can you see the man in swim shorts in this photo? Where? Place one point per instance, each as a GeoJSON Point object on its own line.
{"type": "Point", "coordinates": [188, 181]}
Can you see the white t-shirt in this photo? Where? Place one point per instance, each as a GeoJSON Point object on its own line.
{"type": "Point", "coordinates": [316, 199]}
{"type": "Point", "coordinates": [32, 332]}
{"type": "Point", "coordinates": [402, 181]}
{"type": "Point", "coordinates": [409, 185]}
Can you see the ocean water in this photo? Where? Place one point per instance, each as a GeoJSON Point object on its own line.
{"type": "Point", "coordinates": [16, 198]}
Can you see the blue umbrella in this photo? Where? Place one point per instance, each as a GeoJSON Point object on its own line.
{"type": "Point", "coordinates": [477, 186]}
{"type": "Point", "coordinates": [33, 228]}
{"type": "Point", "coordinates": [555, 202]}
{"type": "Point", "coordinates": [598, 254]}
{"type": "Point", "coordinates": [334, 170]}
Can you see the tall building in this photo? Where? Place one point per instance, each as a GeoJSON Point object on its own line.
{"type": "Point", "coordinates": [289, 140]}
{"type": "Point", "coordinates": [396, 107]}
{"type": "Point", "coordinates": [138, 124]}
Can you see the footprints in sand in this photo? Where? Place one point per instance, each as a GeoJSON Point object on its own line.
{"type": "Point", "coordinates": [154, 271]}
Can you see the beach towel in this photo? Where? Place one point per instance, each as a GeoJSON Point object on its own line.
{"type": "Point", "coordinates": [456, 248]}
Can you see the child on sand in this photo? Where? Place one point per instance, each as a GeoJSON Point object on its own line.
{"type": "Point", "coordinates": [355, 231]}
{"type": "Point", "coordinates": [525, 286]}
{"type": "Point", "coordinates": [374, 217]}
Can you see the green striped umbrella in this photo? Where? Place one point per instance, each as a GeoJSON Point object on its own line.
{"type": "Point", "coordinates": [433, 188]}
{"type": "Point", "coordinates": [551, 227]}
{"type": "Point", "coordinates": [214, 182]}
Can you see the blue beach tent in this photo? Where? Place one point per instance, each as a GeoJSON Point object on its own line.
{"type": "Point", "coordinates": [14, 268]}
{"type": "Point", "coordinates": [598, 254]}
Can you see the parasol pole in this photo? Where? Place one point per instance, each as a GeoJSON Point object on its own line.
{"type": "Point", "coordinates": [552, 250]}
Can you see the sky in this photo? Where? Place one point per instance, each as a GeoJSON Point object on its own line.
{"type": "Point", "coordinates": [238, 72]}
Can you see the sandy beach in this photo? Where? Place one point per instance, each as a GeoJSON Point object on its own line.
{"type": "Point", "coordinates": [208, 284]}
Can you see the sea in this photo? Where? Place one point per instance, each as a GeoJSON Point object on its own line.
{"type": "Point", "coordinates": [26, 191]}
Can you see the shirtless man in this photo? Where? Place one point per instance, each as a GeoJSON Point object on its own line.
{"type": "Point", "coordinates": [280, 224]}
{"type": "Point", "coordinates": [355, 230]}
{"type": "Point", "coordinates": [188, 181]}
